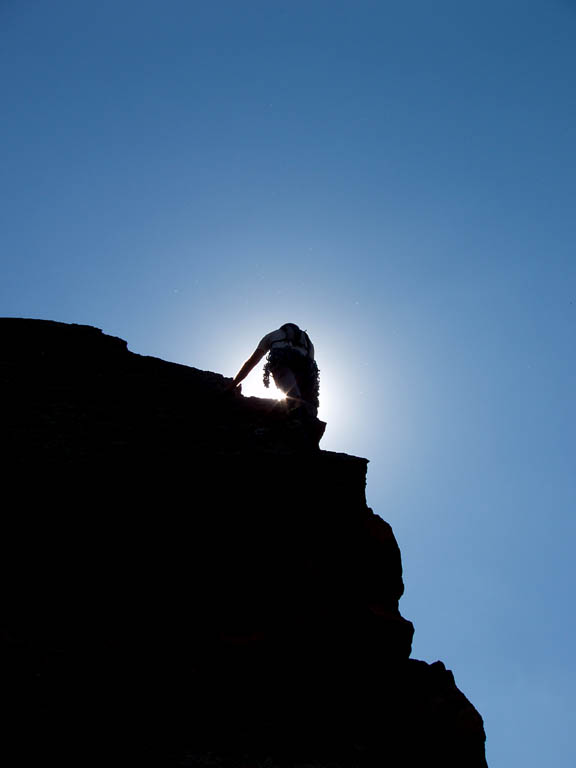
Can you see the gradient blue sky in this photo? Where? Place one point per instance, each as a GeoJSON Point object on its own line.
{"type": "Point", "coordinates": [399, 179]}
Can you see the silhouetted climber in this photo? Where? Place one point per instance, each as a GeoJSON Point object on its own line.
{"type": "Point", "coordinates": [292, 365]}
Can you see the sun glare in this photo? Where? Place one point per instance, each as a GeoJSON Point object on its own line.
{"type": "Point", "coordinates": [330, 396]}
{"type": "Point", "coordinates": [253, 386]}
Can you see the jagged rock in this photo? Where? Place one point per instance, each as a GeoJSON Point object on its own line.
{"type": "Point", "coordinates": [193, 579]}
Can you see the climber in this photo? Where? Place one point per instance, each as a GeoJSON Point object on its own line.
{"type": "Point", "coordinates": [291, 362]}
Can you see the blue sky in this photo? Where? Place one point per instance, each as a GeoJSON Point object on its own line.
{"type": "Point", "coordinates": [399, 179]}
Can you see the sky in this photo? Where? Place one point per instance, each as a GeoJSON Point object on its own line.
{"type": "Point", "coordinates": [400, 180]}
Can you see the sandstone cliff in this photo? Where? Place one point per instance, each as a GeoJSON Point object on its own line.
{"type": "Point", "coordinates": [191, 581]}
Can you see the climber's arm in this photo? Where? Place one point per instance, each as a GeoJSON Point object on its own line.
{"type": "Point", "coordinates": [252, 361]}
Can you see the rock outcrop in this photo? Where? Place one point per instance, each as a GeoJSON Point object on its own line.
{"type": "Point", "coordinates": [192, 581]}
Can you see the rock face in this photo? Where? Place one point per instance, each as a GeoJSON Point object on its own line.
{"type": "Point", "coordinates": [193, 582]}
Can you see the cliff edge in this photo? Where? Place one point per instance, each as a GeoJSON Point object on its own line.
{"type": "Point", "coordinates": [193, 582]}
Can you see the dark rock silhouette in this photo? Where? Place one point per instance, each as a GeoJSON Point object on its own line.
{"type": "Point", "coordinates": [190, 581]}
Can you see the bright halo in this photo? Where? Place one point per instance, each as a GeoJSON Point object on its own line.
{"type": "Point", "coordinates": [253, 386]}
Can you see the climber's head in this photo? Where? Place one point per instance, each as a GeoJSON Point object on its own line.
{"type": "Point", "coordinates": [290, 328]}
